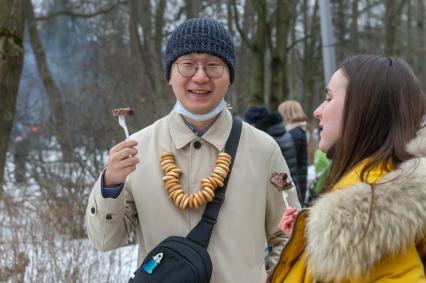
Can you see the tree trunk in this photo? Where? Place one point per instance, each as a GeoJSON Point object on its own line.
{"type": "Point", "coordinates": [339, 20]}
{"type": "Point", "coordinates": [258, 52]}
{"type": "Point", "coordinates": [12, 19]}
{"type": "Point", "coordinates": [279, 80]}
{"type": "Point", "coordinates": [421, 41]}
{"type": "Point", "coordinates": [354, 27]}
{"type": "Point", "coordinates": [241, 88]}
{"type": "Point", "coordinates": [192, 8]}
{"type": "Point", "coordinates": [311, 60]}
{"type": "Point", "coordinates": [392, 19]}
{"type": "Point", "coordinates": [54, 95]}
{"type": "Point", "coordinates": [135, 44]}
{"type": "Point", "coordinates": [152, 27]}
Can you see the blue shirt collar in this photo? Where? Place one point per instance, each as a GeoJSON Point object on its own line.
{"type": "Point", "coordinates": [193, 129]}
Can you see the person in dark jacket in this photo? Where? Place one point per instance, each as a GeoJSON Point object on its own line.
{"type": "Point", "coordinates": [272, 124]}
{"type": "Point", "coordinates": [295, 121]}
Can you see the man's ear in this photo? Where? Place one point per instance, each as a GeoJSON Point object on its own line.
{"type": "Point", "coordinates": [170, 78]}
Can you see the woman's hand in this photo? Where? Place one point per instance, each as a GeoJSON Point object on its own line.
{"type": "Point", "coordinates": [287, 220]}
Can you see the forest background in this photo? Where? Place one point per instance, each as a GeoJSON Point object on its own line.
{"type": "Point", "coordinates": [64, 64]}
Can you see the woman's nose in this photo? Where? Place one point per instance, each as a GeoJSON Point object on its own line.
{"type": "Point", "coordinates": [317, 112]}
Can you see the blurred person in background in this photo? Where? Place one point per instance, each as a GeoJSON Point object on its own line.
{"type": "Point", "coordinates": [272, 124]}
{"type": "Point", "coordinates": [295, 121]}
{"type": "Point", "coordinates": [370, 225]}
{"type": "Point", "coordinates": [322, 167]}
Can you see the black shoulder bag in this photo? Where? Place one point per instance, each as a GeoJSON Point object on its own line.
{"type": "Point", "coordinates": [186, 260]}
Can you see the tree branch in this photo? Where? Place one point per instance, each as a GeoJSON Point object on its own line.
{"type": "Point", "coordinates": [78, 14]}
{"type": "Point", "coordinates": [297, 41]}
{"type": "Point", "coordinates": [370, 6]}
{"type": "Point", "coordinates": [244, 37]}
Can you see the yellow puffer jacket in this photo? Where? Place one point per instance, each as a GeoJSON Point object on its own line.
{"type": "Point", "coordinates": [328, 243]}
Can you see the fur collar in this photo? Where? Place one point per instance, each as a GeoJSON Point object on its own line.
{"type": "Point", "coordinates": [336, 222]}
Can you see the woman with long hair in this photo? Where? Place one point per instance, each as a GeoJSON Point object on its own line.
{"type": "Point", "coordinates": [295, 121]}
{"type": "Point", "coordinates": [370, 225]}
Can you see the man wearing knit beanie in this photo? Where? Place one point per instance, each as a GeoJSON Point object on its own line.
{"type": "Point", "coordinates": [201, 35]}
{"type": "Point", "coordinates": [157, 182]}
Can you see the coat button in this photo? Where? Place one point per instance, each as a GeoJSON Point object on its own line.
{"type": "Point", "coordinates": [108, 216]}
{"type": "Point", "coordinates": [197, 144]}
{"type": "Point", "coordinates": [93, 210]}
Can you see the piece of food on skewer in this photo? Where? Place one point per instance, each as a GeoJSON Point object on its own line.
{"type": "Point", "coordinates": [127, 111]}
{"type": "Point", "coordinates": [121, 113]}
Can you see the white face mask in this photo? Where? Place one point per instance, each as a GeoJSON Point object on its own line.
{"type": "Point", "coordinates": [179, 108]}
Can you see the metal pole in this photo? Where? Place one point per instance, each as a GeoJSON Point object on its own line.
{"type": "Point", "coordinates": [328, 42]}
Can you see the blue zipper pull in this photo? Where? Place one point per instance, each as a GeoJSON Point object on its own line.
{"type": "Point", "coordinates": [152, 263]}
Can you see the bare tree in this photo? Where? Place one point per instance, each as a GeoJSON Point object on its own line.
{"type": "Point", "coordinates": [238, 94]}
{"type": "Point", "coordinates": [192, 8]}
{"type": "Point", "coordinates": [257, 44]}
{"type": "Point", "coordinates": [341, 12]}
{"type": "Point", "coordinates": [392, 20]}
{"type": "Point", "coordinates": [420, 40]}
{"type": "Point", "coordinates": [280, 30]}
{"type": "Point", "coordinates": [53, 93]}
{"type": "Point", "coordinates": [311, 57]}
{"type": "Point", "coordinates": [12, 20]}
{"type": "Point", "coordinates": [149, 45]}
{"type": "Point", "coordinates": [413, 40]}
{"type": "Point", "coordinates": [354, 26]}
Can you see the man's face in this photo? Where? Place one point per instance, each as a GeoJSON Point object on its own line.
{"type": "Point", "coordinates": [199, 93]}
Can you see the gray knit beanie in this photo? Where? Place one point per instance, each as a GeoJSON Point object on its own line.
{"type": "Point", "coordinates": [200, 35]}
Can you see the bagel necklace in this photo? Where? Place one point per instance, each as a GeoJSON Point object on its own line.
{"type": "Point", "coordinates": [206, 192]}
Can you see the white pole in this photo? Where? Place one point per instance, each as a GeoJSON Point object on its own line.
{"type": "Point", "coordinates": [328, 42]}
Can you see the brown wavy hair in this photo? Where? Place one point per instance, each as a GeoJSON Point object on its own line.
{"type": "Point", "coordinates": [383, 110]}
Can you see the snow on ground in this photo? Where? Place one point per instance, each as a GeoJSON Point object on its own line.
{"type": "Point", "coordinates": [32, 250]}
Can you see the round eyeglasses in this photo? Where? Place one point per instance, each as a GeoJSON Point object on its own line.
{"type": "Point", "coordinates": [188, 68]}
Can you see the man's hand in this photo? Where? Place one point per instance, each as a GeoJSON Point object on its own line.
{"type": "Point", "coordinates": [287, 220]}
{"type": "Point", "coordinates": [121, 162]}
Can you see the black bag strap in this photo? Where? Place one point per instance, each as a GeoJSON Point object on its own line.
{"type": "Point", "coordinates": [202, 231]}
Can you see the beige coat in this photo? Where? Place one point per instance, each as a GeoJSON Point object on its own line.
{"type": "Point", "coordinates": [249, 215]}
